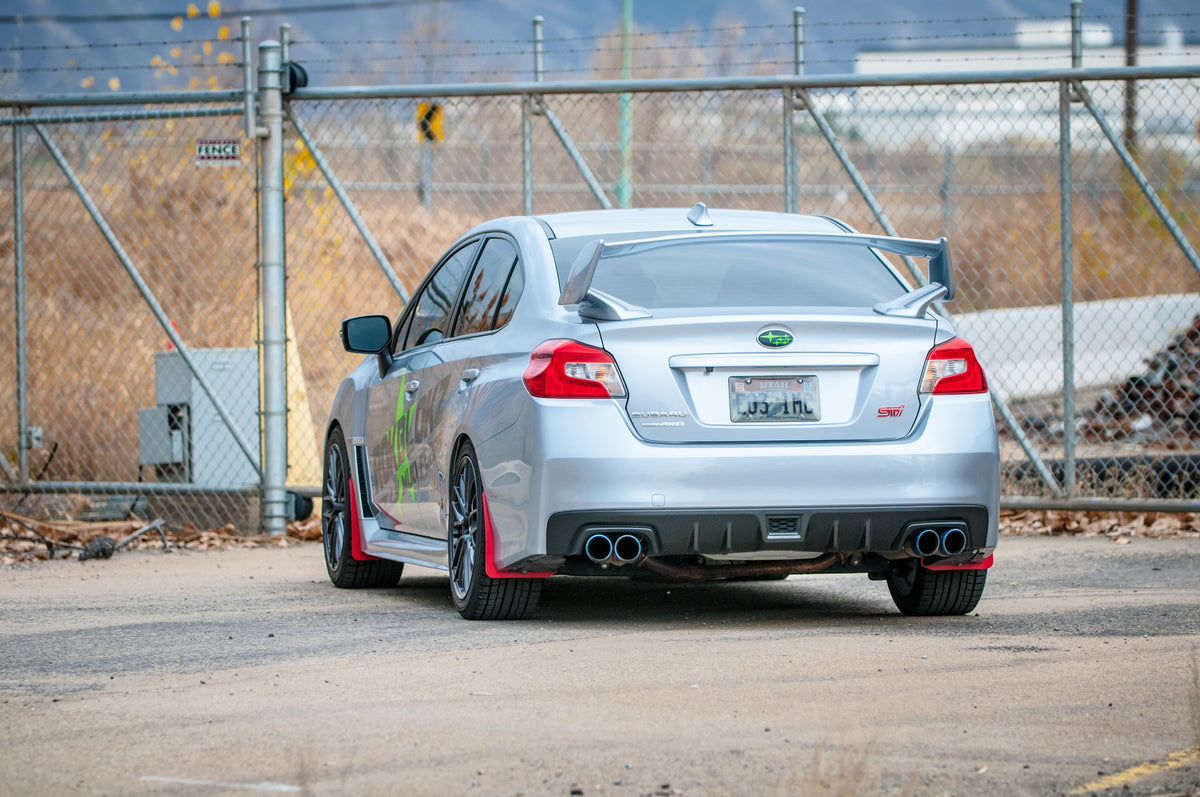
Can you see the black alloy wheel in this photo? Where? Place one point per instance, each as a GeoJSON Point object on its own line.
{"type": "Point", "coordinates": [344, 570]}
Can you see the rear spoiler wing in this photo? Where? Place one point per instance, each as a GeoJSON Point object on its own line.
{"type": "Point", "coordinates": [937, 251]}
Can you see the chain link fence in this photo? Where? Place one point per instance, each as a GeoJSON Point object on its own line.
{"type": "Point", "coordinates": [126, 226]}
{"type": "Point", "coordinates": [373, 197]}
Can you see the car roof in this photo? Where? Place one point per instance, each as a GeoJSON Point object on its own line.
{"type": "Point", "coordinates": [667, 220]}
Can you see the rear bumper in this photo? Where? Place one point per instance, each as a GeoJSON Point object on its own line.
{"type": "Point", "coordinates": [783, 530]}
{"type": "Point", "coordinates": [568, 464]}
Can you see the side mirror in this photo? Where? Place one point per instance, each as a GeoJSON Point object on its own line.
{"type": "Point", "coordinates": [366, 334]}
{"type": "Point", "coordinates": [369, 334]}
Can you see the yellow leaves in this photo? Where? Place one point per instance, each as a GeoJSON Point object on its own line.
{"type": "Point", "coordinates": [214, 9]}
{"type": "Point", "coordinates": [158, 60]}
{"type": "Point", "coordinates": [177, 24]}
{"type": "Point", "coordinates": [194, 83]}
{"type": "Point", "coordinates": [223, 32]}
{"type": "Point", "coordinates": [176, 52]}
{"type": "Point", "coordinates": [114, 83]}
{"type": "Point", "coordinates": [213, 83]}
{"type": "Point", "coordinates": [87, 82]}
{"type": "Point", "coordinates": [207, 48]}
{"type": "Point", "coordinates": [192, 11]}
{"type": "Point", "coordinates": [224, 59]}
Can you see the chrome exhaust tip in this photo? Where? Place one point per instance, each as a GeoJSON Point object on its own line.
{"type": "Point", "coordinates": [953, 542]}
{"type": "Point", "coordinates": [627, 549]}
{"type": "Point", "coordinates": [926, 542]}
{"type": "Point", "coordinates": [599, 549]}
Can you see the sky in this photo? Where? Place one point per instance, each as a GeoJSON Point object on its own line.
{"type": "Point", "coordinates": [104, 45]}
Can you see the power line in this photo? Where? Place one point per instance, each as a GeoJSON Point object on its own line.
{"type": "Point", "coordinates": [152, 16]}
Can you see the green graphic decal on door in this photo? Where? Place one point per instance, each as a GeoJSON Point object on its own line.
{"type": "Point", "coordinates": [397, 436]}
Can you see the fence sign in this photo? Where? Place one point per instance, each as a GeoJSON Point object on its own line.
{"type": "Point", "coordinates": [218, 151]}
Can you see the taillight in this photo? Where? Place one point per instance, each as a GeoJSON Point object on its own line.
{"type": "Point", "coordinates": [570, 369]}
{"type": "Point", "coordinates": [951, 367]}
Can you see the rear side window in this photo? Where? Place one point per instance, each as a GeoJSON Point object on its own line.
{"type": "Point", "coordinates": [758, 273]}
{"type": "Point", "coordinates": [430, 322]}
{"type": "Point", "coordinates": [489, 289]}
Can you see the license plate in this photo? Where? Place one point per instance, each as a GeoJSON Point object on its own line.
{"type": "Point", "coordinates": [774, 399]}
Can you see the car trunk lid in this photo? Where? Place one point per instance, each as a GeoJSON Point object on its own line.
{"type": "Point", "coordinates": [829, 375]}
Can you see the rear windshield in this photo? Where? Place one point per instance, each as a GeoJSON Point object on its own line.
{"type": "Point", "coordinates": [745, 273]}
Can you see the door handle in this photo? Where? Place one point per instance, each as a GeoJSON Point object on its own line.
{"type": "Point", "coordinates": [412, 386]}
{"type": "Point", "coordinates": [468, 377]}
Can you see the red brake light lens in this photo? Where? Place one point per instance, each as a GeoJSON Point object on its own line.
{"type": "Point", "coordinates": [951, 368]}
{"type": "Point", "coordinates": [570, 369]}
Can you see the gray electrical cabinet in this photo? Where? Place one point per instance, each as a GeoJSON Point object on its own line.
{"type": "Point", "coordinates": [183, 437]}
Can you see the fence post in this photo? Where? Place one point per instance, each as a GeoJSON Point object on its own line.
{"type": "Point", "coordinates": [1068, 284]}
{"type": "Point", "coordinates": [791, 202]}
{"type": "Point", "coordinates": [249, 123]}
{"type": "Point", "coordinates": [539, 45]}
{"type": "Point", "coordinates": [625, 180]}
{"type": "Point", "coordinates": [274, 503]}
{"type": "Point", "coordinates": [18, 140]}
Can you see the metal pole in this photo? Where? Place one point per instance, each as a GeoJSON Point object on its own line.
{"type": "Point", "coordinates": [789, 153]}
{"type": "Point", "coordinates": [539, 43]}
{"type": "Point", "coordinates": [285, 55]}
{"type": "Point", "coordinates": [18, 139]}
{"type": "Point", "coordinates": [1076, 34]}
{"type": "Point", "coordinates": [625, 182]}
{"type": "Point", "coordinates": [249, 124]}
{"type": "Point", "coordinates": [1131, 47]}
{"type": "Point", "coordinates": [791, 188]}
{"type": "Point", "coordinates": [1068, 281]}
{"type": "Point", "coordinates": [527, 154]}
{"type": "Point", "coordinates": [1139, 177]}
{"type": "Point", "coordinates": [274, 504]}
{"type": "Point", "coordinates": [947, 187]}
{"type": "Point", "coordinates": [798, 40]}
{"type": "Point", "coordinates": [147, 295]}
{"type": "Point", "coordinates": [347, 203]}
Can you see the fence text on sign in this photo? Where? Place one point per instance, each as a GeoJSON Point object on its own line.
{"type": "Point", "coordinates": [148, 345]}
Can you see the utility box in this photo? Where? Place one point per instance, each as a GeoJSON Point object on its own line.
{"type": "Point", "coordinates": [186, 441]}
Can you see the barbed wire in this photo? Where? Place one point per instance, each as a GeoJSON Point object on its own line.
{"type": "Point", "coordinates": [90, 46]}
{"type": "Point", "coordinates": [119, 68]}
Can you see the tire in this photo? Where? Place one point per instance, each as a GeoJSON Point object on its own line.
{"type": "Point", "coordinates": [476, 595]}
{"type": "Point", "coordinates": [919, 592]}
{"type": "Point", "coordinates": [344, 570]}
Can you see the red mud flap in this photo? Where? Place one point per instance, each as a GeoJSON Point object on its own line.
{"type": "Point", "coordinates": [489, 557]}
{"type": "Point", "coordinates": [356, 532]}
{"type": "Point", "coordinates": [981, 565]}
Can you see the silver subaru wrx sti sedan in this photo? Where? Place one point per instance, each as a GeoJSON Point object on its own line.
{"type": "Point", "coordinates": [679, 394]}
